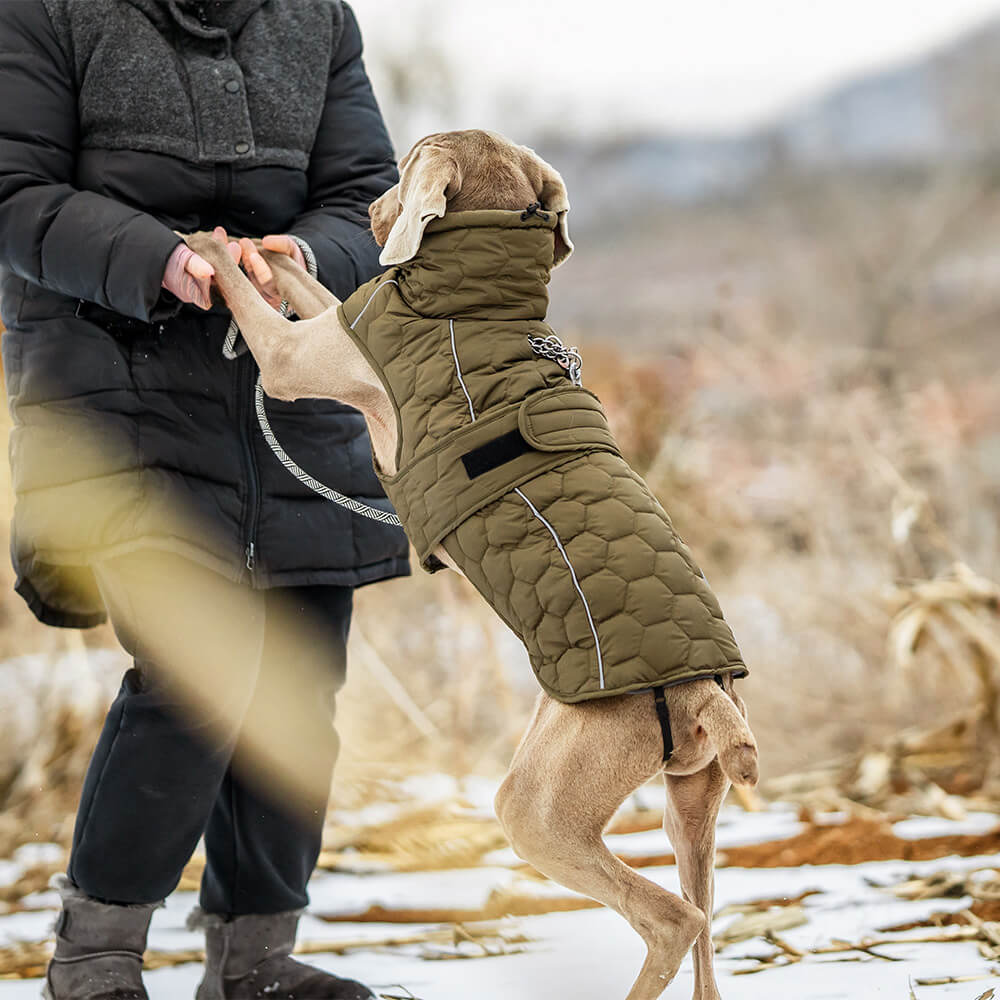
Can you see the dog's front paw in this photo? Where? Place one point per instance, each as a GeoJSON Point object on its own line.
{"type": "Point", "coordinates": [208, 247]}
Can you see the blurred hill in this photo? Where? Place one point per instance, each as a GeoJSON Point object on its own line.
{"type": "Point", "coordinates": [934, 110]}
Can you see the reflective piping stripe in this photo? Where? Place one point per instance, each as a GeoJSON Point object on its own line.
{"type": "Point", "coordinates": [391, 281]}
{"type": "Point", "coordinates": [458, 369]}
{"type": "Point", "coordinates": [576, 583]}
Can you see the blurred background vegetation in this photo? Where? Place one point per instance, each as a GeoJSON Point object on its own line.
{"type": "Point", "coordinates": [794, 330]}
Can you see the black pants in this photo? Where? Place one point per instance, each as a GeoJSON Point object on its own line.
{"type": "Point", "coordinates": [165, 773]}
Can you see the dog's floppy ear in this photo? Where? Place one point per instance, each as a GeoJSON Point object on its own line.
{"type": "Point", "coordinates": [553, 197]}
{"type": "Point", "coordinates": [429, 178]}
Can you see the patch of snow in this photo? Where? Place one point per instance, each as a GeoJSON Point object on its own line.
{"type": "Point", "coordinates": [429, 788]}
{"type": "Point", "coordinates": [341, 892]}
{"type": "Point", "coordinates": [935, 826]}
{"type": "Point", "coordinates": [737, 828]}
{"type": "Point", "coordinates": [28, 855]}
{"type": "Point", "coordinates": [10, 872]}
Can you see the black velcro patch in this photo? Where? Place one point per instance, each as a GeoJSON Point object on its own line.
{"type": "Point", "coordinates": [494, 453]}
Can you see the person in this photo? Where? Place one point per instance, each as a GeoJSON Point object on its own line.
{"type": "Point", "coordinates": [143, 489]}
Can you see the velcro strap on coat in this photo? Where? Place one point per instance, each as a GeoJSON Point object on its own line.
{"type": "Point", "coordinates": [435, 493]}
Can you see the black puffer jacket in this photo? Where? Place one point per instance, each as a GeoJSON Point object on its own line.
{"type": "Point", "coordinates": [131, 430]}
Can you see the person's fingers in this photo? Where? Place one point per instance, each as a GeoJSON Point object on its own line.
{"type": "Point", "coordinates": [286, 245]}
{"type": "Point", "coordinates": [260, 274]}
{"type": "Point", "coordinates": [220, 234]}
{"type": "Point", "coordinates": [201, 292]}
{"type": "Point", "coordinates": [205, 289]}
{"type": "Point", "coordinates": [234, 251]}
{"type": "Point", "coordinates": [280, 244]}
{"type": "Point", "coordinates": [256, 263]}
{"type": "Point", "coordinates": [195, 292]}
{"type": "Point", "coordinates": [200, 273]}
{"type": "Point", "coordinates": [198, 267]}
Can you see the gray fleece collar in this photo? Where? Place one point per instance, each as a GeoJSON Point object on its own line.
{"type": "Point", "coordinates": [228, 16]}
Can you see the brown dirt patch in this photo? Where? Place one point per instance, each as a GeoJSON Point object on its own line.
{"type": "Point", "coordinates": [984, 909]}
{"type": "Point", "coordinates": [499, 905]}
{"type": "Point", "coordinates": [855, 842]}
{"type": "Point", "coordinates": [852, 843]}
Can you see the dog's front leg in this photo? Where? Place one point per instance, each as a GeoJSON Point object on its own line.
{"type": "Point", "coordinates": [309, 359]}
{"type": "Point", "coordinates": [265, 330]}
{"type": "Point", "coordinates": [693, 803]}
{"type": "Point", "coordinates": [306, 296]}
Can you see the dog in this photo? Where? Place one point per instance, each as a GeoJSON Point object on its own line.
{"type": "Point", "coordinates": [579, 759]}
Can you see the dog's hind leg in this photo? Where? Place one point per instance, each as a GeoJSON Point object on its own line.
{"type": "Point", "coordinates": [573, 769]}
{"type": "Point", "coordinates": [693, 803]}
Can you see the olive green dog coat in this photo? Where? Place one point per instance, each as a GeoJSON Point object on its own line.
{"type": "Point", "coordinates": [513, 470]}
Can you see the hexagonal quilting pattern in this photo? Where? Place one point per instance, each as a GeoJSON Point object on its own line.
{"type": "Point", "coordinates": [656, 618]}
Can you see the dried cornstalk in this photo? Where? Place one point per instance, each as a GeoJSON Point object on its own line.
{"type": "Point", "coordinates": [25, 959]}
{"type": "Point", "coordinates": [787, 955]}
{"type": "Point", "coordinates": [428, 838]}
{"type": "Point", "coordinates": [952, 980]}
{"type": "Point", "coordinates": [760, 924]}
{"type": "Point", "coordinates": [762, 905]}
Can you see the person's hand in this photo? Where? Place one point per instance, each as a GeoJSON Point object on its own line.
{"type": "Point", "coordinates": [257, 268]}
{"type": "Point", "coordinates": [189, 277]}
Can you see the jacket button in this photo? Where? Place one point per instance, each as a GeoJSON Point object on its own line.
{"type": "Point", "coordinates": [233, 86]}
{"type": "Point", "coordinates": [242, 147]}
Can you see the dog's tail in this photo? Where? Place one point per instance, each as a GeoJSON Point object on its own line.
{"type": "Point", "coordinates": [729, 732]}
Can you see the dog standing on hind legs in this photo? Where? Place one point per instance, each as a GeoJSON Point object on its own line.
{"type": "Point", "coordinates": [578, 763]}
{"type": "Point", "coordinates": [587, 748]}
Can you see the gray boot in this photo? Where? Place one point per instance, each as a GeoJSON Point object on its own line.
{"type": "Point", "coordinates": [248, 957]}
{"type": "Point", "coordinates": [99, 948]}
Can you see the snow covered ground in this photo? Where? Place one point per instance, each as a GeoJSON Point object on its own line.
{"type": "Point", "coordinates": [593, 954]}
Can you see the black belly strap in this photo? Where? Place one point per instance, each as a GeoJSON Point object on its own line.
{"type": "Point", "coordinates": [663, 714]}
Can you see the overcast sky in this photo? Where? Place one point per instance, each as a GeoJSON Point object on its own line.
{"type": "Point", "coordinates": [661, 64]}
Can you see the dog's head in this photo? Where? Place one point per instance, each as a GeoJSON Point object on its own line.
{"type": "Point", "coordinates": [463, 171]}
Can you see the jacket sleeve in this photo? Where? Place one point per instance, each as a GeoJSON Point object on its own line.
{"type": "Point", "coordinates": [76, 242]}
{"type": "Point", "coordinates": [352, 163]}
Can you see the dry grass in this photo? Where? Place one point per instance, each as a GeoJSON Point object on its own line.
{"type": "Point", "coordinates": [743, 360]}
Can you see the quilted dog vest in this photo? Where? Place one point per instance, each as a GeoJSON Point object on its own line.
{"type": "Point", "coordinates": [513, 470]}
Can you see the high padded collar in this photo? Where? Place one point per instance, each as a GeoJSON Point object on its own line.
{"type": "Point", "coordinates": [488, 264]}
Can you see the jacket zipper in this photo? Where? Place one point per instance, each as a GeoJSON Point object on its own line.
{"type": "Point", "coordinates": [246, 379]}
{"type": "Point", "coordinates": [223, 188]}
{"type": "Point", "coordinates": [245, 382]}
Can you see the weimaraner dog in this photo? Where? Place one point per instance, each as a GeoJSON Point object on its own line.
{"type": "Point", "coordinates": [577, 763]}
